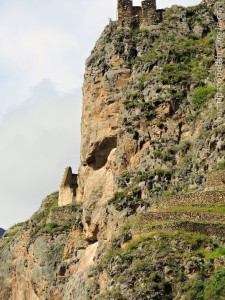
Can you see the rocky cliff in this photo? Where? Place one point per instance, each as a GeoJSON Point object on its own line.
{"type": "Point", "coordinates": [148, 218]}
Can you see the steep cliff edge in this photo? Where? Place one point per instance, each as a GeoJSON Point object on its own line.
{"type": "Point", "coordinates": [148, 220]}
{"type": "Point", "coordinates": [148, 110]}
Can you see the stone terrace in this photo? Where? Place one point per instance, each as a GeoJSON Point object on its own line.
{"type": "Point", "coordinates": [202, 212]}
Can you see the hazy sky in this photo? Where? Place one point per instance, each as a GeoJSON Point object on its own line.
{"type": "Point", "coordinates": [43, 47]}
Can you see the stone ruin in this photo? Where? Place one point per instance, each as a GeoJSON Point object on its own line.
{"type": "Point", "coordinates": [68, 187]}
{"type": "Point", "coordinates": [138, 16]}
{"type": "Point", "coordinates": [215, 181]}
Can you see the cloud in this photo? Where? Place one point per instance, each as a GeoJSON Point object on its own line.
{"type": "Point", "coordinates": [35, 50]}
{"type": "Point", "coordinates": [38, 140]}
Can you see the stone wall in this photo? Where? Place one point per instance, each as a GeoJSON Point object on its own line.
{"type": "Point", "coordinates": [213, 229]}
{"type": "Point", "coordinates": [194, 199]}
{"type": "Point", "coordinates": [124, 9]}
{"type": "Point", "coordinates": [68, 187]}
{"type": "Point", "coordinates": [151, 217]}
{"type": "Point", "coordinates": [65, 214]}
{"type": "Point", "coordinates": [138, 16]}
{"type": "Point", "coordinates": [213, 194]}
{"type": "Point", "coordinates": [215, 181]}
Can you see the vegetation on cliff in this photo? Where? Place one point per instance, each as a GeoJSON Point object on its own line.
{"type": "Point", "coordinates": [167, 265]}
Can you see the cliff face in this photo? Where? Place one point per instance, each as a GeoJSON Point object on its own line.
{"type": "Point", "coordinates": [151, 180]}
{"type": "Point", "coordinates": [141, 113]}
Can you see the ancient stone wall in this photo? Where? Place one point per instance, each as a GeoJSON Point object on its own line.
{"type": "Point", "coordinates": [213, 194]}
{"type": "Point", "coordinates": [151, 217]}
{"type": "Point", "coordinates": [215, 181]}
{"type": "Point", "coordinates": [61, 215]}
{"type": "Point", "coordinates": [68, 187]}
{"type": "Point", "coordinates": [140, 16]}
{"type": "Point", "coordinates": [194, 199]}
{"type": "Point", "coordinates": [124, 9]}
{"type": "Point", "coordinates": [214, 229]}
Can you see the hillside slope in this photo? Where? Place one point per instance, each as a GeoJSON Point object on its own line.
{"type": "Point", "coordinates": [149, 216]}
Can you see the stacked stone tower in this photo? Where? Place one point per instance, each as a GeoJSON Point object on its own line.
{"type": "Point", "coordinates": [124, 9]}
{"type": "Point", "coordinates": [140, 16]}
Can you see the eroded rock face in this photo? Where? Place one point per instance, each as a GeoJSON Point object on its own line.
{"type": "Point", "coordinates": [145, 135]}
{"type": "Point", "coordinates": [107, 73]}
{"type": "Point", "coordinates": [42, 259]}
{"type": "Point", "coordinates": [138, 114]}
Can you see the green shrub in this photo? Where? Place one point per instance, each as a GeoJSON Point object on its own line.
{"type": "Point", "coordinates": [117, 197]}
{"type": "Point", "coordinates": [175, 74]}
{"type": "Point", "coordinates": [52, 225]}
{"type": "Point", "coordinates": [196, 291]}
{"type": "Point", "coordinates": [202, 94]}
{"type": "Point", "coordinates": [127, 227]}
{"type": "Point", "coordinates": [211, 289]}
{"type": "Point", "coordinates": [161, 172]}
{"type": "Point", "coordinates": [219, 252]}
{"type": "Point", "coordinates": [165, 156]}
{"type": "Point", "coordinates": [140, 265]}
{"type": "Point", "coordinates": [221, 166]}
{"type": "Point", "coordinates": [215, 287]}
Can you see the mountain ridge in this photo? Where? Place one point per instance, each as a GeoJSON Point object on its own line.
{"type": "Point", "coordinates": [1, 232]}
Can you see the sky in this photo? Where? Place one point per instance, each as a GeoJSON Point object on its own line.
{"type": "Point", "coordinates": [43, 48]}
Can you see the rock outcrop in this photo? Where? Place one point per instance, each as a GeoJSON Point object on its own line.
{"type": "Point", "coordinates": [144, 218]}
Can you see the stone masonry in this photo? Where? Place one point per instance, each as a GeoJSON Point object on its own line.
{"type": "Point", "coordinates": [68, 187]}
{"type": "Point", "coordinates": [138, 16]}
{"type": "Point", "coordinates": [215, 181]}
